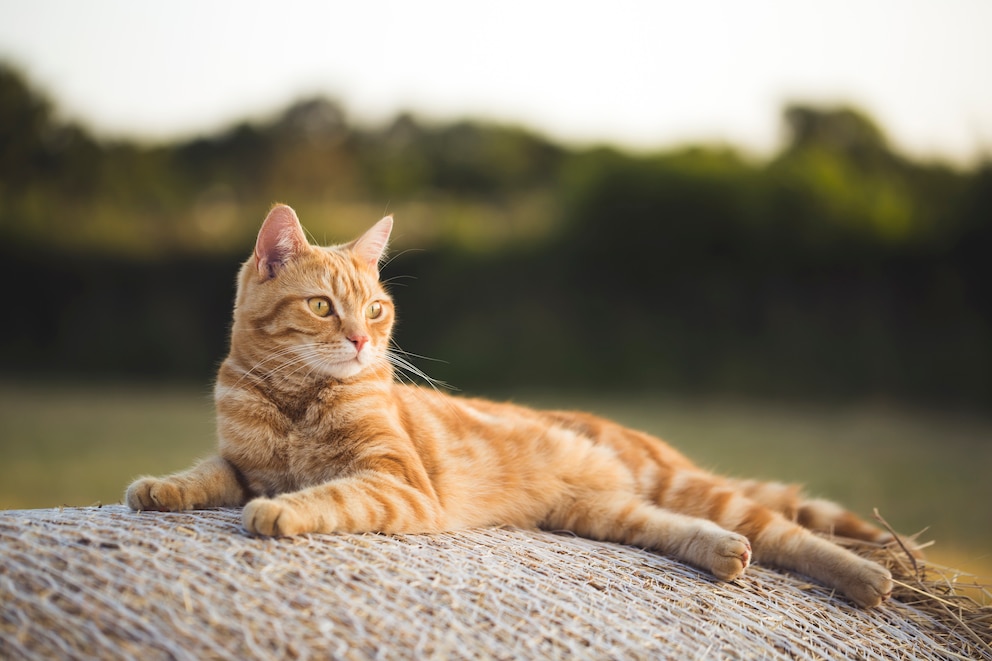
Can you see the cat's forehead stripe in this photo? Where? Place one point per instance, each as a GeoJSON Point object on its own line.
{"type": "Point", "coordinates": [340, 278]}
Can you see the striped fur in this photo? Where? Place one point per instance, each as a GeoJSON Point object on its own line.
{"type": "Point", "coordinates": [316, 435]}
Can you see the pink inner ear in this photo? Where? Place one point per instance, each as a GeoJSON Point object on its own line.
{"type": "Point", "coordinates": [279, 241]}
{"type": "Point", "coordinates": [372, 245]}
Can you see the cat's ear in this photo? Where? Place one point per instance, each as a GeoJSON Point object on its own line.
{"type": "Point", "coordinates": [371, 246]}
{"type": "Point", "coordinates": [279, 241]}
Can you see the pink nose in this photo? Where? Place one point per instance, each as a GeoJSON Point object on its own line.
{"type": "Point", "coordinates": [359, 341]}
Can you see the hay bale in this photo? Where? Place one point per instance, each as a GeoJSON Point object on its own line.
{"type": "Point", "coordinates": [107, 582]}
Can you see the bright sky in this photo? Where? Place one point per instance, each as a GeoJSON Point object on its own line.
{"type": "Point", "coordinates": [639, 73]}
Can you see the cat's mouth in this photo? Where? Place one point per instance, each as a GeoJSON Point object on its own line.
{"type": "Point", "coordinates": [343, 367]}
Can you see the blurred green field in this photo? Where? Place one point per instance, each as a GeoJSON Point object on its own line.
{"type": "Point", "coordinates": [81, 444]}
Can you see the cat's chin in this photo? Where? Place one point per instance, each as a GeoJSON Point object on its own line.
{"type": "Point", "coordinates": [346, 369]}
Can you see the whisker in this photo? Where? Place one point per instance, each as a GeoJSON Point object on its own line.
{"type": "Point", "coordinates": [389, 281]}
{"type": "Point", "coordinates": [251, 371]}
{"type": "Point", "coordinates": [399, 254]}
{"type": "Point", "coordinates": [301, 357]}
{"type": "Point", "coordinates": [396, 349]}
{"type": "Point", "coordinates": [406, 366]}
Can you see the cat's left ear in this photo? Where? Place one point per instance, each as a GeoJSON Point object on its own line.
{"type": "Point", "coordinates": [371, 246]}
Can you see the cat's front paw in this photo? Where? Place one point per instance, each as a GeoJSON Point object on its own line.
{"type": "Point", "coordinates": [154, 494]}
{"type": "Point", "coordinates": [274, 517]}
{"type": "Point", "coordinates": [867, 584]}
{"type": "Point", "coordinates": [730, 556]}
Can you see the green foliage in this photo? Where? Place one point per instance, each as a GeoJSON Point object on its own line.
{"type": "Point", "coordinates": [838, 267]}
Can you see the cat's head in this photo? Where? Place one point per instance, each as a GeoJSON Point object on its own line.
{"type": "Point", "coordinates": [307, 311]}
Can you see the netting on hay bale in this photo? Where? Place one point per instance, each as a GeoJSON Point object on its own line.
{"type": "Point", "coordinates": [110, 583]}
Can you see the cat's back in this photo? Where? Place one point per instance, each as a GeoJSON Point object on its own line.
{"type": "Point", "coordinates": [455, 420]}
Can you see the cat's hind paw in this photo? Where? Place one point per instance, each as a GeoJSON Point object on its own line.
{"type": "Point", "coordinates": [154, 494]}
{"type": "Point", "coordinates": [868, 584]}
{"type": "Point", "coordinates": [273, 518]}
{"type": "Point", "coordinates": [731, 555]}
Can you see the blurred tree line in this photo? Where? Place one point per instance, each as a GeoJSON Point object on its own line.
{"type": "Point", "coordinates": [836, 268]}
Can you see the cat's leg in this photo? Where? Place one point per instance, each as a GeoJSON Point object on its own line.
{"type": "Point", "coordinates": [366, 502]}
{"type": "Point", "coordinates": [628, 519]}
{"type": "Point", "coordinates": [213, 482]}
{"type": "Point", "coordinates": [818, 515]}
{"type": "Point", "coordinates": [776, 539]}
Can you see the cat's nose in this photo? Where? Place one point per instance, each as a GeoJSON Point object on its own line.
{"type": "Point", "coordinates": [359, 341]}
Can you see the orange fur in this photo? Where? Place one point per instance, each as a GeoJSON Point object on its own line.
{"type": "Point", "coordinates": [316, 435]}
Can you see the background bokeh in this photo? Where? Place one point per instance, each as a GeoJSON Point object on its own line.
{"type": "Point", "coordinates": [836, 268]}
{"type": "Point", "coordinates": [818, 309]}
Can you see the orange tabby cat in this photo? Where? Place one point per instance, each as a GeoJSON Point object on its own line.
{"type": "Point", "coordinates": [315, 435]}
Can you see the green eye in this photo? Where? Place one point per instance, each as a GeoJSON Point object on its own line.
{"type": "Point", "coordinates": [320, 306]}
{"type": "Point", "coordinates": [374, 310]}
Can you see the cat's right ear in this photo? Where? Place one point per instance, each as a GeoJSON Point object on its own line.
{"type": "Point", "coordinates": [279, 241]}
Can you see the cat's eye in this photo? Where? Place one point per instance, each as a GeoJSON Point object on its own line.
{"type": "Point", "coordinates": [320, 306]}
{"type": "Point", "coordinates": [374, 310]}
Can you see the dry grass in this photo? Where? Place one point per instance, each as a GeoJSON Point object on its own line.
{"type": "Point", "coordinates": [957, 599]}
{"type": "Point", "coordinates": [110, 583]}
